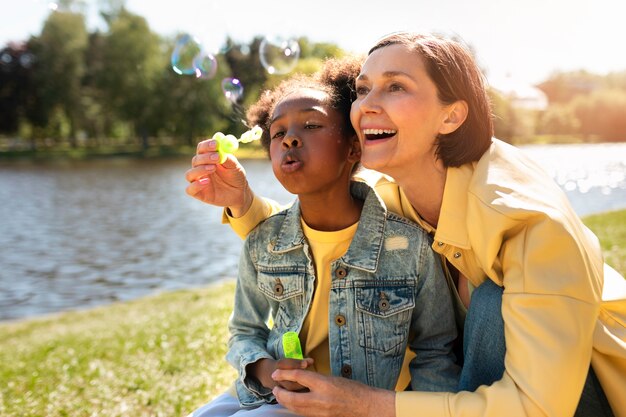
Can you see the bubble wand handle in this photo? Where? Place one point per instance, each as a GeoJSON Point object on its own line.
{"type": "Point", "coordinates": [228, 144]}
{"type": "Point", "coordinates": [291, 346]}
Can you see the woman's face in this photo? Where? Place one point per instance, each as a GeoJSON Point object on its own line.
{"type": "Point", "coordinates": [397, 114]}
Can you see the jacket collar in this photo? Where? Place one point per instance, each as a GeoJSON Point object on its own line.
{"type": "Point", "coordinates": [452, 228]}
{"type": "Point", "coordinates": [364, 250]}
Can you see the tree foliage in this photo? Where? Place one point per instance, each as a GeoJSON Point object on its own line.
{"type": "Point", "coordinates": [115, 87]}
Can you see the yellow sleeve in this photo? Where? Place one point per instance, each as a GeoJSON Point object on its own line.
{"type": "Point", "coordinates": [260, 210]}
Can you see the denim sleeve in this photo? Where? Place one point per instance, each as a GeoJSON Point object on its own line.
{"type": "Point", "coordinates": [248, 330]}
{"type": "Point", "coordinates": [433, 328]}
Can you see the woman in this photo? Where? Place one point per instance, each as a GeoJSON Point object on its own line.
{"type": "Point", "coordinates": [504, 228]}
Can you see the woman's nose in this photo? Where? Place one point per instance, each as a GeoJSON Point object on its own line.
{"type": "Point", "coordinates": [369, 103]}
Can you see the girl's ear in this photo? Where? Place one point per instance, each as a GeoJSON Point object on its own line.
{"type": "Point", "coordinates": [355, 149]}
{"type": "Point", "coordinates": [454, 116]}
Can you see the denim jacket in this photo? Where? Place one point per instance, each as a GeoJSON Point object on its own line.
{"type": "Point", "coordinates": [388, 291]}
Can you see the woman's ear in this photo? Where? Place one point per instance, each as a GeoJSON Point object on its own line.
{"type": "Point", "coordinates": [454, 116]}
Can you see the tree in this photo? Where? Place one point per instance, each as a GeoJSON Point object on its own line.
{"type": "Point", "coordinates": [603, 113]}
{"type": "Point", "coordinates": [559, 119]}
{"type": "Point", "coordinates": [60, 65]}
{"type": "Point", "coordinates": [563, 87]}
{"type": "Point", "coordinates": [130, 62]}
{"type": "Point", "coordinates": [16, 85]}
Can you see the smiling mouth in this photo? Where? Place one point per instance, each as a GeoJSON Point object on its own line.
{"type": "Point", "coordinates": [377, 134]}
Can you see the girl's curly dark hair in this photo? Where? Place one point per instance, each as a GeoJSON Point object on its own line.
{"type": "Point", "coordinates": [336, 78]}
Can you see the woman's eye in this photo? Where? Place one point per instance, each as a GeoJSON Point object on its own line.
{"type": "Point", "coordinates": [396, 87]}
{"type": "Point", "coordinates": [361, 90]}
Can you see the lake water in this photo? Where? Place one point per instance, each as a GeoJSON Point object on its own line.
{"type": "Point", "coordinates": [80, 234]}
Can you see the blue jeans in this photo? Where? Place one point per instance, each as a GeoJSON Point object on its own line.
{"type": "Point", "coordinates": [484, 348]}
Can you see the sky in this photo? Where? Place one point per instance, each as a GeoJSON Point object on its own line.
{"type": "Point", "coordinates": [516, 41]}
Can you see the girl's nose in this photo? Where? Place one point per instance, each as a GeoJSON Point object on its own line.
{"type": "Point", "coordinates": [291, 141]}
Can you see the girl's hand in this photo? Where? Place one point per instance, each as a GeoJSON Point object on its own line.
{"type": "Point", "coordinates": [262, 370]}
{"type": "Point", "coordinates": [223, 185]}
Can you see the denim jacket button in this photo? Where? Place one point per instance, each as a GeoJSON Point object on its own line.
{"type": "Point", "coordinates": [279, 289]}
{"type": "Point", "coordinates": [383, 304]}
{"type": "Point", "coordinates": [340, 320]}
{"type": "Point", "coordinates": [346, 371]}
{"type": "Point", "coordinates": [341, 273]}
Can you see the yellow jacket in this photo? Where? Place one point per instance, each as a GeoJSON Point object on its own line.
{"type": "Point", "coordinates": [503, 218]}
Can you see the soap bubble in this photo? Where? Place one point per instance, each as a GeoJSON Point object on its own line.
{"type": "Point", "coordinates": [232, 88]}
{"type": "Point", "coordinates": [26, 60]}
{"type": "Point", "coordinates": [279, 55]}
{"type": "Point", "coordinates": [185, 51]}
{"type": "Point", "coordinates": [205, 65]}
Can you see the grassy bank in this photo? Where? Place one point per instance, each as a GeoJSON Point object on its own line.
{"type": "Point", "coordinates": [156, 356]}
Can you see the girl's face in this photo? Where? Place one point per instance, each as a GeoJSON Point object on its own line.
{"type": "Point", "coordinates": [309, 150]}
{"type": "Point", "coordinates": [397, 114]}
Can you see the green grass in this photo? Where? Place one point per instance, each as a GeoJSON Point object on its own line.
{"type": "Point", "coordinates": [611, 230]}
{"type": "Point", "coordinates": [156, 356]}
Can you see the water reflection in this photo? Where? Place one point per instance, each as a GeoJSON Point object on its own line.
{"type": "Point", "coordinates": [79, 234]}
{"type": "Point", "coordinates": [593, 176]}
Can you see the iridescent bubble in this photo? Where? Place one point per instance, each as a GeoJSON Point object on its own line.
{"type": "Point", "coordinates": [26, 60]}
{"type": "Point", "coordinates": [279, 55]}
{"type": "Point", "coordinates": [205, 65]}
{"type": "Point", "coordinates": [232, 88]}
{"type": "Point", "coordinates": [6, 58]}
{"type": "Point", "coordinates": [185, 50]}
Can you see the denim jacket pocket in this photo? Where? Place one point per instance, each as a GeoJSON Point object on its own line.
{"type": "Point", "coordinates": [385, 311]}
{"type": "Point", "coordinates": [285, 287]}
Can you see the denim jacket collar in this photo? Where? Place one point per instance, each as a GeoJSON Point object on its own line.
{"type": "Point", "coordinates": [367, 243]}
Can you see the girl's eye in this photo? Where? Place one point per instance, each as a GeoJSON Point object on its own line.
{"type": "Point", "coordinates": [311, 126]}
{"type": "Point", "coordinates": [278, 135]}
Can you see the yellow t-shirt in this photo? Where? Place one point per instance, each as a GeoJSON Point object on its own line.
{"type": "Point", "coordinates": [325, 248]}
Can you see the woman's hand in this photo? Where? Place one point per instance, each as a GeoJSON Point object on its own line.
{"type": "Point", "coordinates": [332, 396]}
{"type": "Point", "coordinates": [222, 185]}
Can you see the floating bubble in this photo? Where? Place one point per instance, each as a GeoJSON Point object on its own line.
{"type": "Point", "coordinates": [26, 60]}
{"type": "Point", "coordinates": [6, 58]}
{"type": "Point", "coordinates": [205, 65]}
{"type": "Point", "coordinates": [185, 51]}
{"type": "Point", "coordinates": [232, 88]}
{"type": "Point", "coordinates": [279, 55]}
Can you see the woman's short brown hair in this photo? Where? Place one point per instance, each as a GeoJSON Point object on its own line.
{"type": "Point", "coordinates": [453, 70]}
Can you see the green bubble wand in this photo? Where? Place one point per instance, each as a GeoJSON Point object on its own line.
{"type": "Point", "coordinates": [228, 144]}
{"type": "Point", "coordinates": [291, 346]}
